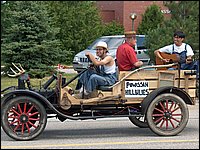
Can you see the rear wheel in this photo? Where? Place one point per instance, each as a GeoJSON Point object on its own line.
{"type": "Point", "coordinates": [23, 118]}
{"type": "Point", "coordinates": [139, 121]}
{"type": "Point", "coordinates": [167, 115]}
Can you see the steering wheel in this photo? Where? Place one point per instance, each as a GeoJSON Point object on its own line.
{"type": "Point", "coordinates": [92, 66]}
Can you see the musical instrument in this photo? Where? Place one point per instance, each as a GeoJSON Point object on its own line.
{"type": "Point", "coordinates": [172, 59]}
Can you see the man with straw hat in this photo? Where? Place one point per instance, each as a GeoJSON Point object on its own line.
{"type": "Point", "coordinates": [106, 75]}
{"type": "Point", "coordinates": [126, 56]}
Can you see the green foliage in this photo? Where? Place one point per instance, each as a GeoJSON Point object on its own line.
{"type": "Point", "coordinates": [185, 17]}
{"type": "Point", "coordinates": [113, 28]}
{"type": "Point", "coordinates": [79, 24]}
{"type": "Point", "coordinates": [151, 19]}
{"type": "Point", "coordinates": [41, 73]}
{"type": "Point", "coordinates": [40, 34]}
{"type": "Point", "coordinates": [28, 38]}
{"type": "Point", "coordinates": [158, 38]}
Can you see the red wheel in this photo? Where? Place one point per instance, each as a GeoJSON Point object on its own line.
{"type": "Point", "coordinates": [167, 114]}
{"type": "Point", "coordinates": [23, 118]}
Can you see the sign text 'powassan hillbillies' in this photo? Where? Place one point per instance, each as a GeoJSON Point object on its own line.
{"type": "Point", "coordinates": [136, 89]}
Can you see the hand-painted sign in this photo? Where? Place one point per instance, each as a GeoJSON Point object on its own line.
{"type": "Point", "coordinates": [136, 89]}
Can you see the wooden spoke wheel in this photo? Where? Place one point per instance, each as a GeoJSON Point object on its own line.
{"type": "Point", "coordinates": [23, 118]}
{"type": "Point", "coordinates": [167, 115]}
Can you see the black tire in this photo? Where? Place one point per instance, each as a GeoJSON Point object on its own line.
{"type": "Point", "coordinates": [23, 118]}
{"type": "Point", "coordinates": [167, 115]}
{"type": "Point", "coordinates": [139, 121]}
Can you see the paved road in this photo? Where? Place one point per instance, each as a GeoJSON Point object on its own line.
{"type": "Point", "coordinates": [118, 133]}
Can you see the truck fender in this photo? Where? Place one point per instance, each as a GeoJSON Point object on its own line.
{"type": "Point", "coordinates": [165, 89]}
{"type": "Point", "coordinates": [36, 95]}
{"type": "Point", "coordinates": [33, 94]}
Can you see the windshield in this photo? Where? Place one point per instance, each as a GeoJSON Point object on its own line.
{"type": "Point", "coordinates": [141, 42]}
{"type": "Point", "coordinates": [113, 42]}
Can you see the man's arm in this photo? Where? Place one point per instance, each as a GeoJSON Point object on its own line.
{"type": "Point", "coordinates": [138, 63]}
{"type": "Point", "coordinates": [157, 54]}
{"type": "Point", "coordinates": [96, 62]}
{"type": "Point", "coordinates": [190, 54]}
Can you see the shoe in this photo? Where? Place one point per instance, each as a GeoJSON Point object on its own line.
{"type": "Point", "coordinates": [85, 92]}
{"type": "Point", "coordinates": [81, 89]}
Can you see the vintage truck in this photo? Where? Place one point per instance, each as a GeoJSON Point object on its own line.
{"type": "Point", "coordinates": [149, 96]}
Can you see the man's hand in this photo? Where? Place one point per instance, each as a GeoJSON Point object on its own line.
{"type": "Point", "coordinates": [91, 66]}
{"type": "Point", "coordinates": [87, 53]}
{"type": "Point", "coordinates": [188, 60]}
{"type": "Point", "coordinates": [165, 60]}
{"type": "Point", "coordinates": [138, 64]}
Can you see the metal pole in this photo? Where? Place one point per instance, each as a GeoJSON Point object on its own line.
{"type": "Point", "coordinates": [132, 24]}
{"type": "Point", "coordinates": [133, 16]}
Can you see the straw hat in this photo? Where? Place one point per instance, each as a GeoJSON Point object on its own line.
{"type": "Point", "coordinates": [130, 33]}
{"type": "Point", "coordinates": [102, 44]}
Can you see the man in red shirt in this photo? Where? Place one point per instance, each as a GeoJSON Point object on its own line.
{"type": "Point", "coordinates": [126, 56]}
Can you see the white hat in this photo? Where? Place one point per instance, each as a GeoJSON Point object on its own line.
{"type": "Point", "coordinates": [102, 44]}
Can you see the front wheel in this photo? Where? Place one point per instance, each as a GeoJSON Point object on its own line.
{"type": "Point", "coordinates": [167, 115]}
{"type": "Point", "coordinates": [23, 118]}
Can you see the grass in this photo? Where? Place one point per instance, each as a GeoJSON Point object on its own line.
{"type": "Point", "coordinates": [35, 83]}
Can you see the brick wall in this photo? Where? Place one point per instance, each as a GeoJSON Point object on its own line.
{"type": "Point", "coordinates": [121, 10]}
{"type": "Point", "coordinates": [115, 6]}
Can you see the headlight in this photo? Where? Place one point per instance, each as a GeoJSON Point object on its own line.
{"type": "Point", "coordinates": [76, 59]}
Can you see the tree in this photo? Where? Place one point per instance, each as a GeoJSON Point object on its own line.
{"type": "Point", "coordinates": [185, 17]}
{"type": "Point", "coordinates": [39, 34]}
{"type": "Point", "coordinates": [28, 38]}
{"type": "Point", "coordinates": [79, 24]}
{"type": "Point", "coordinates": [113, 28]}
{"type": "Point", "coordinates": [151, 19]}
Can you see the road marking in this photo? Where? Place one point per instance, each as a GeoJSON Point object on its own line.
{"type": "Point", "coordinates": [106, 143]}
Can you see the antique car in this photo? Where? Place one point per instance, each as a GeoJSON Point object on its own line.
{"type": "Point", "coordinates": [151, 97]}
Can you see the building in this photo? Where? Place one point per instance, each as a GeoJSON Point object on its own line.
{"type": "Point", "coordinates": [120, 11]}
